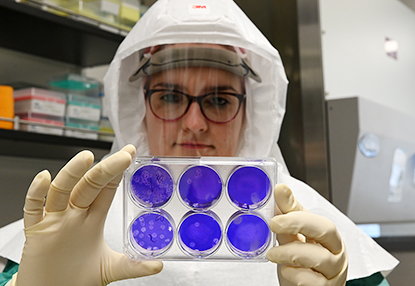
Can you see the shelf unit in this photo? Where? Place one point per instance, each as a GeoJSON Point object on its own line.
{"type": "Point", "coordinates": [29, 29]}
{"type": "Point", "coordinates": [35, 145]}
{"type": "Point", "coordinates": [25, 27]}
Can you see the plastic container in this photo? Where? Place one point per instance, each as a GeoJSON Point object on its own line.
{"type": "Point", "coordinates": [83, 112]}
{"type": "Point", "coordinates": [6, 106]}
{"type": "Point", "coordinates": [83, 109]}
{"type": "Point", "coordinates": [76, 84]}
{"type": "Point", "coordinates": [197, 195]}
{"type": "Point", "coordinates": [88, 130]}
{"type": "Point", "coordinates": [40, 103]}
{"type": "Point", "coordinates": [105, 126]}
{"type": "Point", "coordinates": [129, 13]}
{"type": "Point", "coordinates": [56, 127]}
{"type": "Point", "coordinates": [107, 11]}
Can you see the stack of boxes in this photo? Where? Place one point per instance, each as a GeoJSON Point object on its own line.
{"type": "Point", "coordinates": [118, 13]}
{"type": "Point", "coordinates": [129, 13]}
{"type": "Point", "coordinates": [40, 106]}
{"type": "Point", "coordinates": [83, 106]}
{"type": "Point", "coordinates": [72, 106]}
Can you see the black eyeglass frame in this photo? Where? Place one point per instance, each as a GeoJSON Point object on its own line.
{"type": "Point", "coordinates": [148, 92]}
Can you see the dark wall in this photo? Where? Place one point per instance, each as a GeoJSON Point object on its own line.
{"type": "Point", "coordinates": [278, 22]}
{"type": "Point", "coordinates": [293, 27]}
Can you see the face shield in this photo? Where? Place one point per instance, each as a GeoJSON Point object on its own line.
{"type": "Point", "coordinates": [195, 98]}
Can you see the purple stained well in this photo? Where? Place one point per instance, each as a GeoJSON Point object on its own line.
{"type": "Point", "coordinates": [200, 187]}
{"type": "Point", "coordinates": [248, 235]}
{"type": "Point", "coordinates": [152, 186]}
{"type": "Point", "coordinates": [200, 234]}
{"type": "Point", "coordinates": [249, 187]}
{"type": "Point", "coordinates": [153, 233]}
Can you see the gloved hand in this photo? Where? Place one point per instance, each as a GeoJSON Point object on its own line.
{"type": "Point", "coordinates": [65, 244]}
{"type": "Point", "coordinates": [311, 251]}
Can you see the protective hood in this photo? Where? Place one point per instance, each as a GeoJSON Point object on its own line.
{"type": "Point", "coordinates": [215, 22]}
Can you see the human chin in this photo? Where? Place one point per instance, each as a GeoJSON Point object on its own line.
{"type": "Point", "coordinates": [193, 150]}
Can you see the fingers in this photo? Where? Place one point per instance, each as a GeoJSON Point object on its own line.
{"type": "Point", "coordinates": [94, 180]}
{"type": "Point", "coordinates": [308, 255]}
{"type": "Point", "coordinates": [309, 277]}
{"type": "Point", "coordinates": [309, 244]}
{"type": "Point", "coordinates": [297, 220]}
{"type": "Point", "coordinates": [125, 268]}
{"type": "Point", "coordinates": [285, 199]}
{"type": "Point", "coordinates": [312, 226]}
{"type": "Point", "coordinates": [130, 149]}
{"type": "Point", "coordinates": [35, 199]}
{"type": "Point", "coordinates": [103, 201]}
{"type": "Point", "coordinates": [91, 184]}
{"type": "Point", "coordinates": [303, 276]}
{"type": "Point", "coordinates": [287, 238]}
{"type": "Point", "coordinates": [286, 203]}
{"type": "Point", "coordinates": [66, 179]}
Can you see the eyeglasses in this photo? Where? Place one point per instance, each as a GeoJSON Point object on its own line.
{"type": "Point", "coordinates": [171, 105]}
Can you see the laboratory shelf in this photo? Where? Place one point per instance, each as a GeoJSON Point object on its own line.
{"type": "Point", "coordinates": [17, 143]}
{"type": "Point", "coordinates": [29, 29]}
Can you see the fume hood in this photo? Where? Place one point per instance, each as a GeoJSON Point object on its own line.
{"type": "Point", "coordinates": [372, 165]}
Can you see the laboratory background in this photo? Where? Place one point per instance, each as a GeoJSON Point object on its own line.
{"type": "Point", "coordinates": [349, 129]}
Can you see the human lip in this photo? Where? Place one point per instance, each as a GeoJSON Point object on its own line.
{"type": "Point", "coordinates": [194, 145]}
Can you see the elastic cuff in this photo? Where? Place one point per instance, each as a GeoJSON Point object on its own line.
{"type": "Point", "coordinates": [13, 281]}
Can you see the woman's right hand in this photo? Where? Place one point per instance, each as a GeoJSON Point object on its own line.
{"type": "Point", "coordinates": [64, 240]}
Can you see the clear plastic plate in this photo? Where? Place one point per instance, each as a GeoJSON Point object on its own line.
{"type": "Point", "coordinates": [206, 208]}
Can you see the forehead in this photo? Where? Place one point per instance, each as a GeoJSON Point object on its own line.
{"type": "Point", "coordinates": [195, 78]}
{"type": "Point", "coordinates": [202, 73]}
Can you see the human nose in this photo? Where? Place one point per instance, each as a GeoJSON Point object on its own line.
{"type": "Point", "coordinates": [194, 120]}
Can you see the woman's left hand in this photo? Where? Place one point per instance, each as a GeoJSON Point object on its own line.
{"type": "Point", "coordinates": [311, 251]}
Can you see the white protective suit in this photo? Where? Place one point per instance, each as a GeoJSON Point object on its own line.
{"type": "Point", "coordinates": [220, 22]}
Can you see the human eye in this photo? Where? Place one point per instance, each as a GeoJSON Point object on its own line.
{"type": "Point", "coordinates": [220, 100]}
{"type": "Point", "coordinates": [169, 96]}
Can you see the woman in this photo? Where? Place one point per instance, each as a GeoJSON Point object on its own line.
{"type": "Point", "coordinates": [167, 89]}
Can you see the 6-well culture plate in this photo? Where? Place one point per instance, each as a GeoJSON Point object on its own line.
{"type": "Point", "coordinates": [209, 208]}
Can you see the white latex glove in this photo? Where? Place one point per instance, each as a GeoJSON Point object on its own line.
{"type": "Point", "coordinates": [311, 251]}
{"type": "Point", "coordinates": [65, 244]}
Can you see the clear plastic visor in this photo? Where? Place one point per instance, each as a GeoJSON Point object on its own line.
{"type": "Point", "coordinates": [198, 90]}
